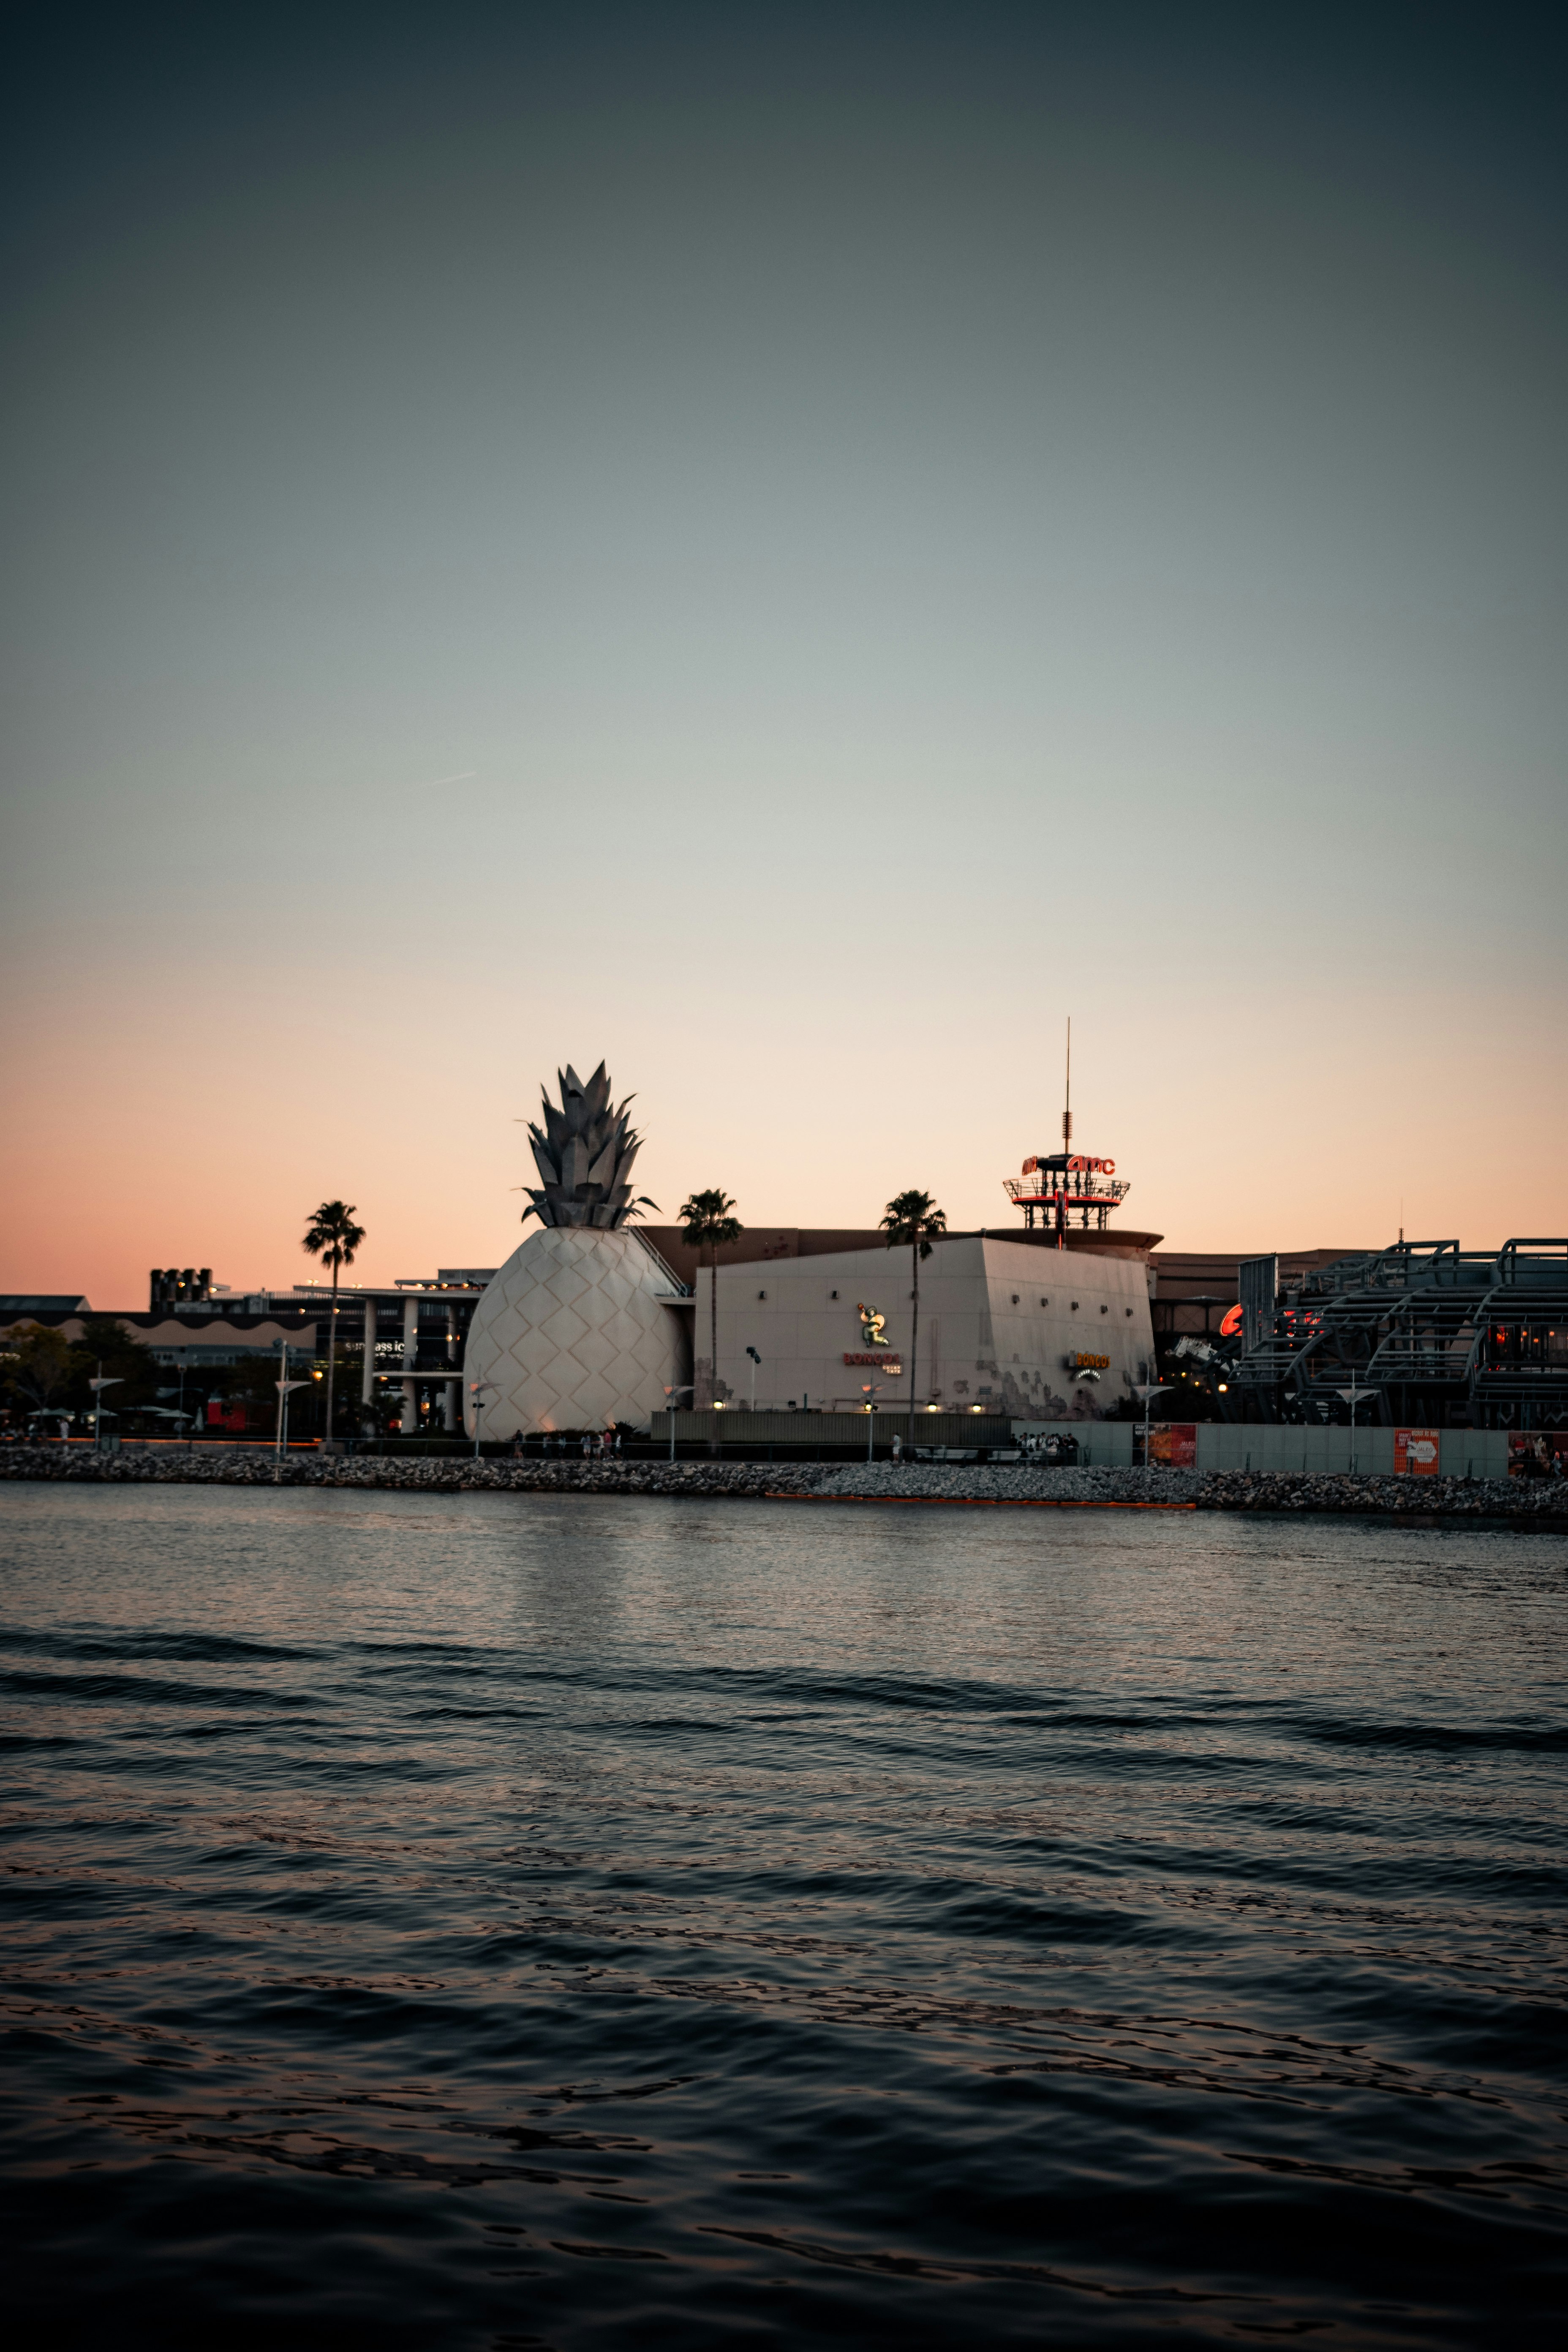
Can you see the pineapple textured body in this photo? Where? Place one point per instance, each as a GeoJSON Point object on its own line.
{"type": "Point", "coordinates": [575, 1332]}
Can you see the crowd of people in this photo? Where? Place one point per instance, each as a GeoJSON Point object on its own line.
{"type": "Point", "coordinates": [596, 1445]}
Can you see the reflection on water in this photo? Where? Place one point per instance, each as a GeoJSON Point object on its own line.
{"type": "Point", "coordinates": [517, 1921]}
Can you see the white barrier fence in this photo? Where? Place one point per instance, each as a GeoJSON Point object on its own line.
{"type": "Point", "coordinates": [1221, 1445]}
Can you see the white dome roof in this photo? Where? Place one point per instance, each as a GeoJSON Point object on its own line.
{"type": "Point", "coordinates": [573, 1333]}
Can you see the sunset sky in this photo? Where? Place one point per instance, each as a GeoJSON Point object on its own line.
{"type": "Point", "coordinates": [790, 551]}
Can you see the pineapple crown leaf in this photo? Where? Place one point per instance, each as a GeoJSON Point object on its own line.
{"type": "Point", "coordinates": [583, 1154]}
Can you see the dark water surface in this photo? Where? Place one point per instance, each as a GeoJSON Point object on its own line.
{"type": "Point", "coordinates": [498, 1921]}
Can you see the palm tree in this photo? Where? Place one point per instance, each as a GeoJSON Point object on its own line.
{"type": "Point", "coordinates": [332, 1235]}
{"type": "Point", "coordinates": [915, 1219]}
{"type": "Point", "coordinates": [709, 1226]}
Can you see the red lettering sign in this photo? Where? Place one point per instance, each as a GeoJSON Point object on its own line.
{"type": "Point", "coordinates": [1415, 1452]}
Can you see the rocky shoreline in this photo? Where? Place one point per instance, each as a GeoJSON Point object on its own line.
{"type": "Point", "coordinates": [1543, 1502]}
{"type": "Point", "coordinates": [1203, 1490]}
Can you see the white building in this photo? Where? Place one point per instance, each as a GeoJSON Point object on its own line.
{"type": "Point", "coordinates": [1038, 1334]}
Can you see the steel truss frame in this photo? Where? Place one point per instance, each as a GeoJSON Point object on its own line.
{"type": "Point", "coordinates": [1434, 1333]}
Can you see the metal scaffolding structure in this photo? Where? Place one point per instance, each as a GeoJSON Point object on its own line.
{"type": "Point", "coordinates": [1425, 1332]}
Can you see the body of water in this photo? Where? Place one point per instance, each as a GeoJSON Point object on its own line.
{"type": "Point", "coordinates": [486, 1921]}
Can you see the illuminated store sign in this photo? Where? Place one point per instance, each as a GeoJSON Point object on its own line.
{"type": "Point", "coordinates": [1085, 1363]}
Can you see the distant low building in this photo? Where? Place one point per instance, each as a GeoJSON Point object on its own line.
{"type": "Point", "coordinates": [203, 1339]}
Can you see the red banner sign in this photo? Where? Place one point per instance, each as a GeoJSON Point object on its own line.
{"type": "Point", "coordinates": [1175, 1443]}
{"type": "Point", "coordinates": [1415, 1452]}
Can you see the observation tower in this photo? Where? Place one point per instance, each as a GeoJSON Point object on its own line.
{"type": "Point", "coordinates": [1070, 1190]}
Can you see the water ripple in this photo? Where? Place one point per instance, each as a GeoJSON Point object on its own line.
{"type": "Point", "coordinates": [503, 1922]}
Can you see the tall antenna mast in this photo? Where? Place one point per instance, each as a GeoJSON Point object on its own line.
{"type": "Point", "coordinates": [1067, 1146]}
{"type": "Point", "coordinates": [1066, 1187]}
{"type": "Point", "coordinates": [1061, 1186]}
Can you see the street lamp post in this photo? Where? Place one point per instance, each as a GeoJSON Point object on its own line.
{"type": "Point", "coordinates": [1148, 1394]}
{"type": "Point", "coordinates": [685, 1389]}
{"type": "Point", "coordinates": [283, 1386]}
{"type": "Point", "coordinates": [870, 1390]}
{"type": "Point", "coordinates": [479, 1390]}
{"type": "Point", "coordinates": [756, 1359]}
{"type": "Point", "coordinates": [98, 1387]}
{"type": "Point", "coordinates": [1352, 1397]}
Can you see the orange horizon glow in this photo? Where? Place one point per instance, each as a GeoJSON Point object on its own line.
{"type": "Point", "coordinates": [107, 1177]}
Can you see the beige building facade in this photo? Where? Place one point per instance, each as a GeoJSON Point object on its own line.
{"type": "Point", "coordinates": [1037, 1334]}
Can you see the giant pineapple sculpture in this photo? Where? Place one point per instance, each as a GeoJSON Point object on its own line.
{"type": "Point", "coordinates": [578, 1329]}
